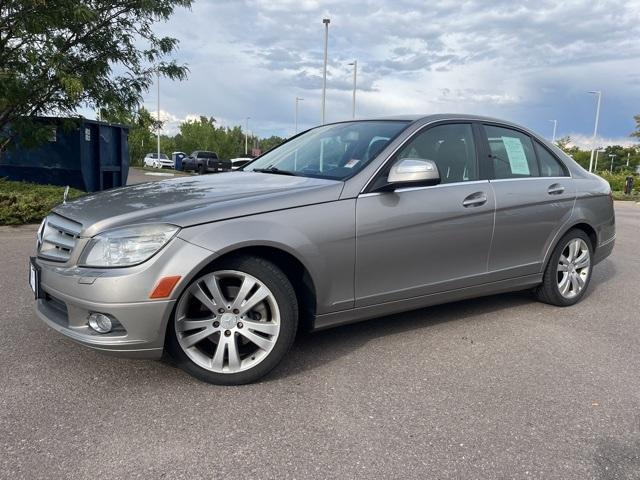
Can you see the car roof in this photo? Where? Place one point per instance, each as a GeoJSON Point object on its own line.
{"type": "Point", "coordinates": [434, 117]}
{"type": "Point", "coordinates": [437, 117]}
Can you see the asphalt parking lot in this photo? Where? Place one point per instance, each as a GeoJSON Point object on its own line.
{"type": "Point", "coordinates": [499, 387]}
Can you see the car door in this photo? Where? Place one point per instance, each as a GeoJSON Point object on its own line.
{"type": "Point", "coordinates": [421, 240]}
{"type": "Point", "coordinates": [534, 199]}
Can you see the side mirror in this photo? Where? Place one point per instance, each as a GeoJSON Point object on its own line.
{"type": "Point", "coordinates": [413, 171]}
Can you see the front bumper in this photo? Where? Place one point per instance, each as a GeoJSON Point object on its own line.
{"type": "Point", "coordinates": [71, 293]}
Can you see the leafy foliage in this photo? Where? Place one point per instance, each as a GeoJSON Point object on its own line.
{"type": "Point", "coordinates": [23, 202]}
{"type": "Point", "coordinates": [622, 154]}
{"type": "Point", "coordinates": [59, 55]}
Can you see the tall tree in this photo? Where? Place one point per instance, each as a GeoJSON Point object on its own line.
{"type": "Point", "coordinates": [59, 55]}
{"type": "Point", "coordinates": [636, 132]}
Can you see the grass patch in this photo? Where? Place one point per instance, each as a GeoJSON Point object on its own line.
{"type": "Point", "coordinates": [24, 202]}
{"type": "Point", "coordinates": [634, 197]}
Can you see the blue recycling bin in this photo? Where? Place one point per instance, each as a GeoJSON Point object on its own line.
{"type": "Point", "coordinates": [89, 156]}
{"type": "Point", "coordinates": [177, 158]}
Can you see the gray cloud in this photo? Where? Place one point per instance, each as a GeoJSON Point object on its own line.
{"type": "Point", "coordinates": [529, 60]}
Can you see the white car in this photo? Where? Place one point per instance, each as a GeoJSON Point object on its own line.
{"type": "Point", "coordinates": [151, 160]}
{"type": "Point", "coordinates": [236, 163]}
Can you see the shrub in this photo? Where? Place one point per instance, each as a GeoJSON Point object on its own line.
{"type": "Point", "coordinates": [24, 202]}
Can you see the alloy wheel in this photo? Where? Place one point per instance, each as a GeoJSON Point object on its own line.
{"type": "Point", "coordinates": [227, 321]}
{"type": "Point", "coordinates": [574, 268]}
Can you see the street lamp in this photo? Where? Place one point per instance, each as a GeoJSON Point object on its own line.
{"type": "Point", "coordinates": [326, 22]}
{"type": "Point", "coordinates": [355, 72]}
{"type": "Point", "coordinates": [595, 128]}
{"type": "Point", "coordinates": [555, 128]}
{"type": "Point", "coordinates": [158, 82]}
{"type": "Point", "coordinates": [246, 136]}
{"type": "Point", "coordinates": [612, 156]}
{"type": "Point", "coordinates": [298, 99]}
{"type": "Point", "coordinates": [595, 167]}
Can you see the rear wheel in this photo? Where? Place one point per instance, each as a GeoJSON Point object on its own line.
{"type": "Point", "coordinates": [201, 169]}
{"type": "Point", "coordinates": [568, 273]}
{"type": "Point", "coordinates": [234, 324]}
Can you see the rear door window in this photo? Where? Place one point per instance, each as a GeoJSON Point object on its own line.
{"type": "Point", "coordinates": [512, 153]}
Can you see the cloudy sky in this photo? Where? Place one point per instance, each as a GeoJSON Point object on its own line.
{"type": "Point", "coordinates": [524, 61]}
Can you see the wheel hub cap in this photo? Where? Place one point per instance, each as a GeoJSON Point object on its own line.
{"type": "Point", "coordinates": [228, 321]}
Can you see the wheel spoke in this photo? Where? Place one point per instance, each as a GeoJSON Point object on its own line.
{"type": "Point", "coordinates": [203, 298]}
{"type": "Point", "coordinates": [256, 298]}
{"type": "Point", "coordinates": [583, 260]}
{"type": "Point", "coordinates": [260, 342]}
{"type": "Point", "coordinates": [212, 284]}
{"type": "Point", "coordinates": [234, 356]}
{"type": "Point", "coordinates": [186, 324]}
{"type": "Point", "coordinates": [580, 281]}
{"type": "Point", "coordinates": [191, 340]}
{"type": "Point", "coordinates": [217, 361]}
{"type": "Point", "coordinates": [563, 268]}
{"type": "Point", "coordinates": [564, 284]}
{"type": "Point", "coordinates": [573, 250]}
{"type": "Point", "coordinates": [262, 327]}
{"type": "Point", "coordinates": [574, 283]}
{"type": "Point", "coordinates": [247, 285]}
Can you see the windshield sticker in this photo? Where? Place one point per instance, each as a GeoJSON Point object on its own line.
{"type": "Point", "coordinates": [351, 163]}
{"type": "Point", "coordinates": [517, 158]}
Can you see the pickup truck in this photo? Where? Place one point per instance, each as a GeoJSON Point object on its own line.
{"type": "Point", "coordinates": [203, 161]}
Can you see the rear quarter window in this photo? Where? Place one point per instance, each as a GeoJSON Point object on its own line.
{"type": "Point", "coordinates": [550, 166]}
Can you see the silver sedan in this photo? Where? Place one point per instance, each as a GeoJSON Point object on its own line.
{"type": "Point", "coordinates": [341, 223]}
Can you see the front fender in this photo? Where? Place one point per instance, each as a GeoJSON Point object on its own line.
{"type": "Point", "coordinates": [321, 237]}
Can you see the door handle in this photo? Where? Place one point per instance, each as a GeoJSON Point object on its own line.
{"type": "Point", "coordinates": [475, 200]}
{"type": "Point", "coordinates": [555, 189]}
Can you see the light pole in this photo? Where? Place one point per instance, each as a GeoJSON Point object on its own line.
{"type": "Point", "coordinates": [298, 99]}
{"type": "Point", "coordinates": [612, 156]}
{"type": "Point", "coordinates": [158, 82]}
{"type": "Point", "coordinates": [246, 136]}
{"type": "Point", "coordinates": [555, 128]}
{"type": "Point", "coordinates": [355, 73]}
{"type": "Point", "coordinates": [628, 155]}
{"type": "Point", "coordinates": [326, 22]}
{"type": "Point", "coordinates": [595, 129]}
{"type": "Point", "coordinates": [595, 167]}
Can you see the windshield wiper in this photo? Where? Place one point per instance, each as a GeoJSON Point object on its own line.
{"type": "Point", "coordinates": [275, 170]}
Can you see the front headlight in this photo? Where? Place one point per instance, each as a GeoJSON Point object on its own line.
{"type": "Point", "coordinates": [128, 246]}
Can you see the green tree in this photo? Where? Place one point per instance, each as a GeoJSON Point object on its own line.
{"type": "Point", "coordinates": [141, 127]}
{"type": "Point", "coordinates": [636, 132]}
{"type": "Point", "coordinates": [60, 55]}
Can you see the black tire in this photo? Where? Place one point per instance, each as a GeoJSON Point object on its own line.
{"type": "Point", "coordinates": [201, 169]}
{"type": "Point", "coordinates": [285, 296]}
{"type": "Point", "coordinates": [548, 291]}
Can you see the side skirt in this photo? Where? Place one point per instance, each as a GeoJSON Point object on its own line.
{"type": "Point", "coordinates": [343, 317]}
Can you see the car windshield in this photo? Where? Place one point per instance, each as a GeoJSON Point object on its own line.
{"type": "Point", "coordinates": [332, 151]}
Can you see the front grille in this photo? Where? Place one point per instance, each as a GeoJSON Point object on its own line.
{"type": "Point", "coordinates": [58, 238]}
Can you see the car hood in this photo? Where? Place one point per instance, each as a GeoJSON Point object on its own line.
{"type": "Point", "coordinates": [194, 200]}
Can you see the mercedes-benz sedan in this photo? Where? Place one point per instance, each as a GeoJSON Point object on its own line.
{"type": "Point", "coordinates": [339, 224]}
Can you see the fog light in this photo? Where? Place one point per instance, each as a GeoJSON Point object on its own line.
{"type": "Point", "coordinates": [100, 322]}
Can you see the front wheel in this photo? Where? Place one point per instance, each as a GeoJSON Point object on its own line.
{"type": "Point", "coordinates": [233, 324]}
{"type": "Point", "coordinates": [568, 272]}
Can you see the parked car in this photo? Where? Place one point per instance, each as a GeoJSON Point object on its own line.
{"type": "Point", "coordinates": [345, 222]}
{"type": "Point", "coordinates": [239, 162]}
{"type": "Point", "coordinates": [203, 161]}
{"type": "Point", "coordinates": [152, 160]}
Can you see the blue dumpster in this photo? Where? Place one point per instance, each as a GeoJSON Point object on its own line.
{"type": "Point", "coordinates": [91, 156]}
